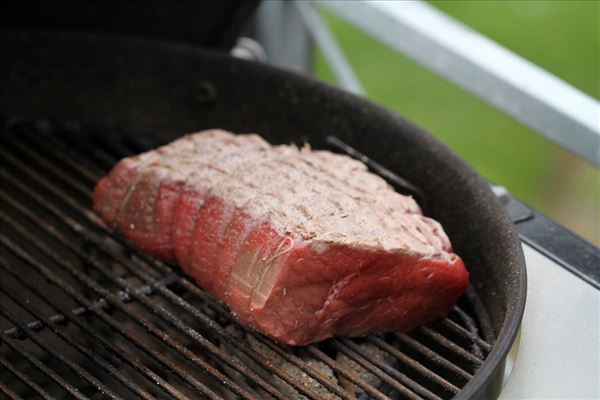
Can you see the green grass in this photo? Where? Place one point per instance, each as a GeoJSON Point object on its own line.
{"type": "Point", "coordinates": [561, 37]}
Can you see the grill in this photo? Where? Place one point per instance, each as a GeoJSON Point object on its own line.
{"type": "Point", "coordinates": [84, 315]}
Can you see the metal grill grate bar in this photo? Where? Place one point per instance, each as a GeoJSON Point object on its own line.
{"type": "Point", "coordinates": [431, 355]}
{"type": "Point", "coordinates": [66, 155]}
{"type": "Point", "coordinates": [426, 372]}
{"type": "Point", "coordinates": [49, 166]}
{"type": "Point", "coordinates": [24, 327]}
{"type": "Point", "coordinates": [4, 389]}
{"type": "Point", "coordinates": [456, 328]}
{"type": "Point", "coordinates": [25, 379]}
{"type": "Point", "coordinates": [400, 183]}
{"type": "Point", "coordinates": [90, 306]}
{"type": "Point", "coordinates": [374, 366]}
{"type": "Point", "coordinates": [40, 324]}
{"type": "Point", "coordinates": [11, 342]}
{"type": "Point", "coordinates": [448, 344]}
{"type": "Point", "coordinates": [113, 301]}
{"type": "Point", "coordinates": [352, 377]}
{"type": "Point", "coordinates": [62, 316]}
{"type": "Point", "coordinates": [82, 372]}
{"type": "Point", "coordinates": [417, 388]}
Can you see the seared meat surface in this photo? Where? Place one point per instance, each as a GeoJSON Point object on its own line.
{"type": "Point", "coordinates": [300, 244]}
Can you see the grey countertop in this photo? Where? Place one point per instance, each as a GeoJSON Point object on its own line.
{"type": "Point", "coordinates": [559, 353]}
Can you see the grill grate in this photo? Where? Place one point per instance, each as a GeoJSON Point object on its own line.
{"type": "Point", "coordinates": [84, 315]}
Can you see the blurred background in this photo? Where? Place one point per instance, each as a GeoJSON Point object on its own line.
{"type": "Point", "coordinates": [563, 37]}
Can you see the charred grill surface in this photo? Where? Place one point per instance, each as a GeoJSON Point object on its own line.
{"type": "Point", "coordinates": [85, 315]}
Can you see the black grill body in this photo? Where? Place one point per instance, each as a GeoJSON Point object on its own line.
{"type": "Point", "coordinates": [83, 314]}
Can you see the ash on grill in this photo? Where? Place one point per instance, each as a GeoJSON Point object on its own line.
{"type": "Point", "coordinates": [84, 315]}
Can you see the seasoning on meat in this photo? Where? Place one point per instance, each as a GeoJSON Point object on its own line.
{"type": "Point", "coordinates": [300, 244]}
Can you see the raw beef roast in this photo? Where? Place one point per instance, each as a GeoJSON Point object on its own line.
{"type": "Point", "coordinates": [300, 244]}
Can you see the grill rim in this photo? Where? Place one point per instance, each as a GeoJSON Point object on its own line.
{"type": "Point", "coordinates": [490, 373]}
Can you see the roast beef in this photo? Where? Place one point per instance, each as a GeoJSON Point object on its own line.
{"type": "Point", "coordinates": [300, 244]}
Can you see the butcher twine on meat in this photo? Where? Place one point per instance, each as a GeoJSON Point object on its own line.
{"type": "Point", "coordinates": [300, 244]}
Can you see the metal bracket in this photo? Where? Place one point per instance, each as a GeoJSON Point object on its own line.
{"type": "Point", "coordinates": [552, 239]}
